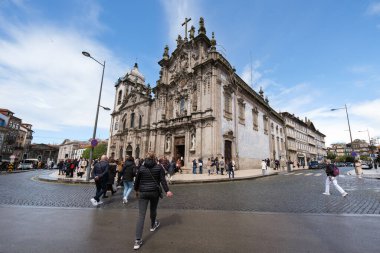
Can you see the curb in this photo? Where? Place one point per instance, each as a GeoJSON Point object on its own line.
{"type": "Point", "coordinates": [47, 178]}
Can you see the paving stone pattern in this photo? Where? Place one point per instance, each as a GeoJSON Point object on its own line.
{"type": "Point", "coordinates": [287, 192]}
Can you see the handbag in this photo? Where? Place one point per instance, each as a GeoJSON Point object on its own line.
{"type": "Point", "coordinates": [160, 191]}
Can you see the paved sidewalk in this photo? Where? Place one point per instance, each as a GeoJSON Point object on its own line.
{"type": "Point", "coordinates": [177, 178]}
{"type": "Point", "coordinates": [372, 173]}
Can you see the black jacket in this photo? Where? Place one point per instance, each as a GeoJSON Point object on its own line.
{"type": "Point", "coordinates": [101, 170]}
{"type": "Point", "coordinates": [144, 181]}
{"type": "Point", "coordinates": [129, 171]}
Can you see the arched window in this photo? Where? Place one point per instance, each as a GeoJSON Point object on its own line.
{"type": "Point", "coordinates": [182, 106]}
{"type": "Point", "coordinates": [124, 124]}
{"type": "Point", "coordinates": [119, 97]}
{"type": "Point", "coordinates": [132, 120]}
{"type": "Point", "coordinates": [140, 121]}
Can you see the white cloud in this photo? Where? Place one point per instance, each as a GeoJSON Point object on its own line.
{"type": "Point", "coordinates": [46, 80]}
{"type": "Point", "coordinates": [176, 11]}
{"type": "Point", "coordinates": [374, 9]}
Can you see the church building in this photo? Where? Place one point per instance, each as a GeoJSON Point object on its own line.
{"type": "Point", "coordinates": [200, 108]}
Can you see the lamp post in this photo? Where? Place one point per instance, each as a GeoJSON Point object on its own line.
{"type": "Point", "coordinates": [369, 140]}
{"type": "Point", "coordinates": [93, 143]}
{"type": "Point", "coordinates": [348, 121]}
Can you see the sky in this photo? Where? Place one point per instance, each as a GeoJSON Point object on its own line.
{"type": "Point", "coordinates": [308, 56]}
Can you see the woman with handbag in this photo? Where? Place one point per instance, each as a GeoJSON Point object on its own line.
{"type": "Point", "coordinates": [148, 189]}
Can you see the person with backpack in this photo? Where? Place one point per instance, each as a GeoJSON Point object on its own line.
{"type": "Point", "coordinates": [128, 174]}
{"type": "Point", "coordinates": [332, 173]}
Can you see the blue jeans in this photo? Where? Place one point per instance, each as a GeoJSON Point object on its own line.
{"type": "Point", "coordinates": [194, 170]}
{"type": "Point", "coordinates": [128, 186]}
{"type": "Point", "coordinates": [144, 199]}
{"type": "Point", "coordinates": [200, 170]}
{"type": "Point", "coordinates": [231, 172]}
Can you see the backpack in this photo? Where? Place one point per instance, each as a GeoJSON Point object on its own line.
{"type": "Point", "coordinates": [335, 171]}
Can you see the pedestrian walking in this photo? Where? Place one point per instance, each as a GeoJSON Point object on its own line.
{"type": "Point", "coordinates": [264, 167]}
{"type": "Point", "coordinates": [119, 173]}
{"type": "Point", "coordinates": [128, 174]}
{"type": "Point", "coordinates": [60, 167]}
{"type": "Point", "coordinates": [216, 164]}
{"type": "Point", "coordinates": [231, 169]}
{"type": "Point", "coordinates": [171, 170]}
{"type": "Point", "coordinates": [195, 166]}
{"type": "Point", "coordinates": [150, 177]}
{"type": "Point", "coordinates": [209, 164]}
{"type": "Point", "coordinates": [100, 175]}
{"type": "Point", "coordinates": [331, 177]}
{"type": "Point", "coordinates": [200, 165]}
{"type": "Point", "coordinates": [358, 168]}
{"type": "Point", "coordinates": [221, 165]}
{"type": "Point", "coordinates": [111, 178]}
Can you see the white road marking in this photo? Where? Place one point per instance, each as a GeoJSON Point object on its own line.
{"type": "Point", "coordinates": [308, 174]}
{"type": "Point", "coordinates": [317, 174]}
{"type": "Point", "coordinates": [297, 174]}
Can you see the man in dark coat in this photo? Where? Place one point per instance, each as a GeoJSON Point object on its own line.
{"type": "Point", "coordinates": [100, 175]}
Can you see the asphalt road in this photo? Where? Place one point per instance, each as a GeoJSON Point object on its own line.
{"type": "Point", "coordinates": [284, 213]}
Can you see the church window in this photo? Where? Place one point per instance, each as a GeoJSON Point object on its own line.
{"type": "Point", "coordinates": [265, 121]}
{"type": "Point", "coordinates": [124, 124]}
{"type": "Point", "coordinates": [132, 120]}
{"type": "Point", "coordinates": [119, 97]}
{"type": "Point", "coordinates": [116, 125]}
{"type": "Point", "coordinates": [255, 115]}
{"type": "Point", "coordinates": [228, 106]}
{"type": "Point", "coordinates": [182, 106]}
{"type": "Point", "coordinates": [140, 121]}
{"type": "Point", "coordinates": [241, 105]}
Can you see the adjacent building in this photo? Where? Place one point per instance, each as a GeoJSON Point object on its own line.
{"type": "Point", "coordinates": [72, 149]}
{"type": "Point", "coordinates": [304, 142]}
{"type": "Point", "coordinates": [200, 109]}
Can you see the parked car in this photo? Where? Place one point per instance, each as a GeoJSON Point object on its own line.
{"type": "Point", "coordinates": [322, 166]}
{"type": "Point", "coordinates": [340, 164]}
{"type": "Point", "coordinates": [28, 164]}
{"type": "Point", "coordinates": [349, 164]}
{"type": "Point", "coordinates": [313, 165]}
{"type": "Point", "coordinates": [365, 166]}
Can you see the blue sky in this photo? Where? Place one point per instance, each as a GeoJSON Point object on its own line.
{"type": "Point", "coordinates": [309, 57]}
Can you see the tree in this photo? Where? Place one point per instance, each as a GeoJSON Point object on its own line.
{"type": "Point", "coordinates": [99, 150]}
{"type": "Point", "coordinates": [331, 155]}
{"type": "Point", "coordinates": [350, 159]}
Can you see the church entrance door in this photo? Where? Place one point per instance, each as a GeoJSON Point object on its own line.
{"type": "Point", "coordinates": [128, 151]}
{"type": "Point", "coordinates": [227, 150]}
{"type": "Point", "coordinates": [179, 148]}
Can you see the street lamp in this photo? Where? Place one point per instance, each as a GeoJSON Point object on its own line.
{"type": "Point", "coordinates": [93, 144]}
{"type": "Point", "coordinates": [369, 139]}
{"type": "Point", "coordinates": [348, 121]}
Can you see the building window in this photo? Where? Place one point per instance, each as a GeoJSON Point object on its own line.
{"type": "Point", "coordinates": [182, 106]}
{"type": "Point", "coordinates": [119, 97]}
{"type": "Point", "coordinates": [140, 121]}
{"type": "Point", "coordinates": [255, 116]}
{"type": "Point", "coordinates": [228, 106]}
{"type": "Point", "coordinates": [132, 120]}
{"type": "Point", "coordinates": [241, 105]}
{"type": "Point", "coordinates": [116, 126]}
{"type": "Point", "coordinates": [265, 121]}
{"type": "Point", "coordinates": [124, 124]}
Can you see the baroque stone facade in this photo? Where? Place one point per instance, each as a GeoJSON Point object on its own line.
{"type": "Point", "coordinates": [200, 109]}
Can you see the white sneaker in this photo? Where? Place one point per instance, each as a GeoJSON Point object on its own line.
{"type": "Point", "coordinates": [344, 194]}
{"type": "Point", "coordinates": [326, 193]}
{"type": "Point", "coordinates": [125, 200]}
{"type": "Point", "coordinates": [137, 244]}
{"type": "Point", "coordinates": [94, 202]}
{"type": "Point", "coordinates": [100, 202]}
{"type": "Point", "coordinates": [155, 226]}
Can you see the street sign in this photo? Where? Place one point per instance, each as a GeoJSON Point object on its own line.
{"type": "Point", "coordinates": [94, 142]}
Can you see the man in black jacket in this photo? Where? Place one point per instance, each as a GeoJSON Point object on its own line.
{"type": "Point", "coordinates": [100, 175]}
{"type": "Point", "coordinates": [147, 183]}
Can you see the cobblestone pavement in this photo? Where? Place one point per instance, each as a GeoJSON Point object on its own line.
{"type": "Point", "coordinates": [296, 192]}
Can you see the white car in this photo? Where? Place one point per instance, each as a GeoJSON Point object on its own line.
{"type": "Point", "coordinates": [365, 166]}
